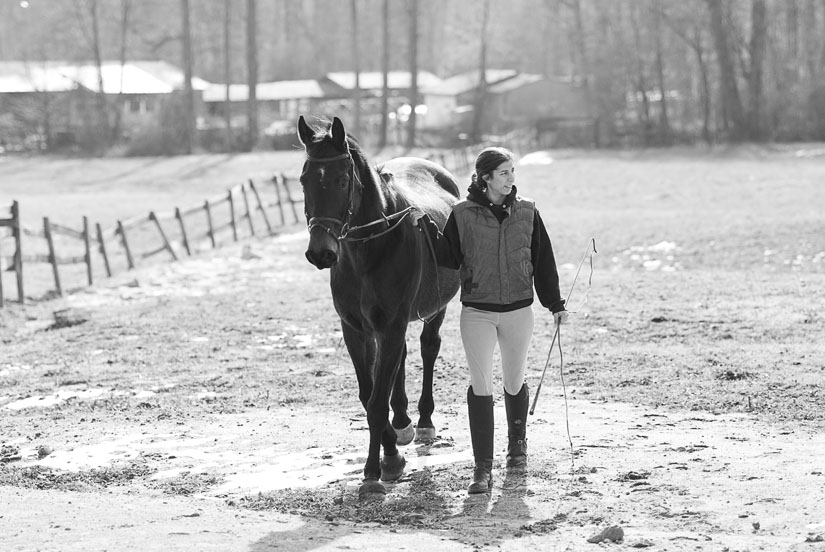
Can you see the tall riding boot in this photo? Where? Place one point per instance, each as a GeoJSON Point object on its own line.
{"type": "Point", "coordinates": [480, 410]}
{"type": "Point", "coordinates": [517, 407]}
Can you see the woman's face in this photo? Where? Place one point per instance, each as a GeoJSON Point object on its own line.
{"type": "Point", "coordinates": [500, 182]}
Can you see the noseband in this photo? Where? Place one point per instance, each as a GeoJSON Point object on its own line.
{"type": "Point", "coordinates": [343, 222]}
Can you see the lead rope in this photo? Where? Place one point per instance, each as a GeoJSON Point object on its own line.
{"type": "Point", "coordinates": [591, 245]}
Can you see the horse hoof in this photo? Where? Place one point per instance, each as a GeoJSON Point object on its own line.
{"type": "Point", "coordinates": [424, 434]}
{"type": "Point", "coordinates": [405, 435]}
{"type": "Point", "coordinates": [392, 467]}
{"type": "Point", "coordinates": [371, 489]}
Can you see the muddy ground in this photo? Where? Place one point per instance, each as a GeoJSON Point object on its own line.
{"type": "Point", "coordinates": [209, 405]}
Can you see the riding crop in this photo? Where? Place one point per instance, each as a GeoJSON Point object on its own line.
{"type": "Point", "coordinates": [557, 335]}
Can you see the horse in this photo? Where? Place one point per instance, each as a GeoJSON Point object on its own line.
{"type": "Point", "coordinates": [383, 275]}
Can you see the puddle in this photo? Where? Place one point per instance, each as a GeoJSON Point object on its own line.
{"type": "Point", "coordinates": [46, 401]}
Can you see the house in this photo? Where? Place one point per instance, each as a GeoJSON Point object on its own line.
{"type": "Point", "coordinates": [399, 85]}
{"type": "Point", "coordinates": [279, 104]}
{"type": "Point", "coordinates": [512, 101]}
{"type": "Point", "coordinates": [61, 101]}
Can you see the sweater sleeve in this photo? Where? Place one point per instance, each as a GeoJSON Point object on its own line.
{"type": "Point", "coordinates": [545, 273]}
{"type": "Point", "coordinates": [448, 245]}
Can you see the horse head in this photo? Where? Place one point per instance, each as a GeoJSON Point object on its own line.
{"type": "Point", "coordinates": [331, 187]}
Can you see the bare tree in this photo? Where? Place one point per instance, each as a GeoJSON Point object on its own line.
{"type": "Point", "coordinates": [732, 112]}
{"type": "Point", "coordinates": [252, 73]}
{"type": "Point", "coordinates": [758, 48]}
{"type": "Point", "coordinates": [356, 68]}
{"type": "Point", "coordinates": [481, 89]}
{"type": "Point", "coordinates": [188, 93]}
{"type": "Point", "coordinates": [227, 71]}
{"type": "Point", "coordinates": [413, 13]}
{"type": "Point", "coordinates": [385, 69]}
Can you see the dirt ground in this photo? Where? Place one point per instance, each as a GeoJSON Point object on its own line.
{"type": "Point", "coordinates": [206, 447]}
{"type": "Point", "coordinates": [208, 404]}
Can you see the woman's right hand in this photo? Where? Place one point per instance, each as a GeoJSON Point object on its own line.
{"type": "Point", "coordinates": [560, 317]}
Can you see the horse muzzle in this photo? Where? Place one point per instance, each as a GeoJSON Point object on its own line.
{"type": "Point", "coordinates": [322, 250]}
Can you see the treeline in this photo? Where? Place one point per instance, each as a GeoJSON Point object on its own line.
{"type": "Point", "coordinates": [658, 71]}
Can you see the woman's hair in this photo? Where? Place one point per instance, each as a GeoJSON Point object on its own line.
{"type": "Point", "coordinates": [487, 161]}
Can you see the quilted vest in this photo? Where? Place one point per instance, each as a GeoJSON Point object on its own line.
{"type": "Point", "coordinates": [497, 265]}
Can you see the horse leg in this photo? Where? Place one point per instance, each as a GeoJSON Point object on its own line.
{"type": "Point", "coordinates": [401, 421]}
{"type": "Point", "coordinates": [391, 466]}
{"type": "Point", "coordinates": [430, 346]}
{"type": "Point", "coordinates": [362, 351]}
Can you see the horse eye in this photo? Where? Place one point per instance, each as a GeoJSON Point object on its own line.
{"type": "Point", "coordinates": [344, 180]}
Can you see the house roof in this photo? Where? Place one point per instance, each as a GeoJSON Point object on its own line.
{"type": "Point", "coordinates": [138, 77]}
{"type": "Point", "coordinates": [22, 77]}
{"type": "Point", "coordinates": [374, 80]}
{"type": "Point", "coordinates": [464, 82]}
{"type": "Point", "coordinates": [517, 81]}
{"type": "Point", "coordinates": [278, 90]}
{"type": "Point", "coordinates": [131, 78]}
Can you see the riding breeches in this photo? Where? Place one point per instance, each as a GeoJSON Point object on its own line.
{"type": "Point", "coordinates": [481, 330]}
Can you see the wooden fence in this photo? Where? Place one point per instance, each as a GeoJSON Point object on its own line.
{"type": "Point", "coordinates": [175, 233]}
{"type": "Point", "coordinates": [235, 214]}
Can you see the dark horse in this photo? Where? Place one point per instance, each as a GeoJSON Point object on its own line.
{"type": "Point", "coordinates": [382, 274]}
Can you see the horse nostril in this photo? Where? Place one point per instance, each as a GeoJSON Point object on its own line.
{"type": "Point", "coordinates": [323, 259]}
{"type": "Point", "coordinates": [329, 258]}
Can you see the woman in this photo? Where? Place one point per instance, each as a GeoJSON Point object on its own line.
{"type": "Point", "coordinates": [497, 240]}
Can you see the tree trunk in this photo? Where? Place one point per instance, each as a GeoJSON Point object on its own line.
{"type": "Point", "coordinates": [481, 89]}
{"type": "Point", "coordinates": [251, 74]}
{"type": "Point", "coordinates": [758, 48]}
{"type": "Point", "coordinates": [705, 98]}
{"type": "Point", "coordinates": [665, 134]}
{"type": "Point", "coordinates": [413, 10]}
{"type": "Point", "coordinates": [733, 116]}
{"type": "Point", "coordinates": [125, 6]}
{"type": "Point", "coordinates": [227, 71]}
{"type": "Point", "coordinates": [356, 68]}
{"type": "Point", "coordinates": [188, 93]}
{"type": "Point", "coordinates": [385, 69]}
{"type": "Point", "coordinates": [102, 105]}
{"type": "Point", "coordinates": [640, 80]}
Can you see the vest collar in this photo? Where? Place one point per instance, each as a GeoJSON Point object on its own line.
{"type": "Point", "coordinates": [476, 195]}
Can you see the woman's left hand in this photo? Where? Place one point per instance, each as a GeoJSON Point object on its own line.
{"type": "Point", "coordinates": [560, 317]}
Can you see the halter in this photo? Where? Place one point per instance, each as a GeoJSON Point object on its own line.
{"type": "Point", "coordinates": [344, 222]}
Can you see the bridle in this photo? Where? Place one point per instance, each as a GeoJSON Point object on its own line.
{"type": "Point", "coordinates": [342, 222]}
{"type": "Point", "coordinates": [327, 223]}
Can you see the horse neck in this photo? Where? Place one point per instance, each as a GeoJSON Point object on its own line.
{"type": "Point", "coordinates": [377, 199]}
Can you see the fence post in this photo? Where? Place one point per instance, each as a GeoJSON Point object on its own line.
{"type": "Point", "coordinates": [47, 231]}
{"type": "Point", "coordinates": [103, 250]}
{"type": "Point", "coordinates": [246, 206]}
{"type": "Point", "coordinates": [166, 243]}
{"type": "Point", "coordinates": [209, 222]}
{"type": "Point", "coordinates": [260, 205]}
{"type": "Point", "coordinates": [179, 216]}
{"type": "Point", "coordinates": [280, 204]}
{"type": "Point", "coordinates": [122, 231]}
{"type": "Point", "coordinates": [18, 251]}
{"type": "Point", "coordinates": [232, 215]}
{"type": "Point", "coordinates": [289, 197]}
{"type": "Point", "coordinates": [88, 254]}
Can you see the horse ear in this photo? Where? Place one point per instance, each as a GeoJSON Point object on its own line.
{"type": "Point", "coordinates": [339, 135]}
{"type": "Point", "coordinates": [304, 132]}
